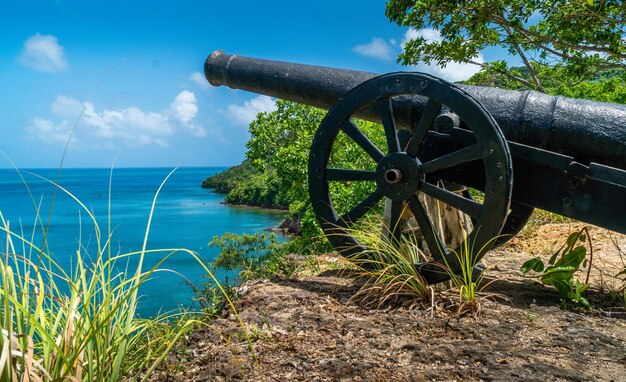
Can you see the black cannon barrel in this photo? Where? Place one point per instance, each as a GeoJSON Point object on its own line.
{"type": "Point", "coordinates": [588, 131]}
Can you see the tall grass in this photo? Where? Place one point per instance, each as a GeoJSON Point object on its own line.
{"type": "Point", "coordinates": [81, 324]}
{"type": "Point", "coordinates": [390, 267]}
{"type": "Point", "coordinates": [466, 277]}
{"type": "Point", "coordinates": [387, 267]}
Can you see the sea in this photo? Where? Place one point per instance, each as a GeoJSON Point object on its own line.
{"type": "Point", "coordinates": [185, 216]}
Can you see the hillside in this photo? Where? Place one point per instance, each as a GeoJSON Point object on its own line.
{"type": "Point", "coordinates": [309, 329]}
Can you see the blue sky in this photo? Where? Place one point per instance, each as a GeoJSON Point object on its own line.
{"type": "Point", "coordinates": [135, 70]}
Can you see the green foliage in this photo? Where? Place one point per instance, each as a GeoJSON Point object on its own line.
{"type": "Point", "coordinates": [557, 40]}
{"type": "Point", "coordinates": [609, 90]}
{"type": "Point", "coordinates": [605, 86]}
{"type": "Point", "coordinates": [280, 141]}
{"type": "Point", "coordinates": [256, 256]}
{"type": "Point", "coordinates": [561, 268]}
{"type": "Point", "coordinates": [227, 180]}
{"type": "Point", "coordinates": [261, 190]}
{"type": "Point", "coordinates": [279, 151]}
{"type": "Point", "coordinates": [214, 298]}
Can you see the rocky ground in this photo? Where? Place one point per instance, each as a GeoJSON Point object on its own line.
{"type": "Point", "coordinates": [308, 329]}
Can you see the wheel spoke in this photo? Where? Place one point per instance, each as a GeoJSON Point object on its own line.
{"type": "Point", "coordinates": [362, 140]}
{"type": "Point", "coordinates": [403, 138]}
{"type": "Point", "coordinates": [455, 158]}
{"type": "Point", "coordinates": [385, 109]}
{"type": "Point", "coordinates": [433, 241]}
{"type": "Point", "coordinates": [357, 212]}
{"type": "Point", "coordinates": [468, 206]}
{"type": "Point", "coordinates": [431, 111]}
{"type": "Point", "coordinates": [346, 175]}
{"type": "Point", "coordinates": [392, 227]}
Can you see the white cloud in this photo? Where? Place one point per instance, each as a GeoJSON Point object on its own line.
{"type": "Point", "coordinates": [43, 53]}
{"type": "Point", "coordinates": [48, 131]}
{"type": "Point", "coordinates": [199, 80]}
{"type": "Point", "coordinates": [185, 110]}
{"type": "Point", "coordinates": [454, 71]}
{"type": "Point", "coordinates": [377, 48]}
{"type": "Point", "coordinates": [67, 107]}
{"type": "Point", "coordinates": [131, 126]}
{"type": "Point", "coordinates": [248, 112]}
{"type": "Point", "coordinates": [184, 106]}
{"type": "Point", "coordinates": [429, 34]}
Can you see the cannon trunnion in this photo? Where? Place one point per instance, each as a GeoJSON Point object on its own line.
{"type": "Point", "coordinates": [520, 149]}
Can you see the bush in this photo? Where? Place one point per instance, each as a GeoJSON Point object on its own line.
{"type": "Point", "coordinates": [255, 256]}
{"type": "Point", "coordinates": [561, 268]}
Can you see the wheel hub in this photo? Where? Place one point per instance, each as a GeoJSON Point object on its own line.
{"type": "Point", "coordinates": [399, 176]}
{"type": "Point", "coordinates": [393, 175]}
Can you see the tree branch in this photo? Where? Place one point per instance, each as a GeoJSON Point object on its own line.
{"type": "Point", "coordinates": [504, 73]}
{"type": "Point", "coordinates": [588, 48]}
{"type": "Point", "coordinates": [531, 71]}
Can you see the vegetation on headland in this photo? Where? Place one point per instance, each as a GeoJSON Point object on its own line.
{"type": "Point", "coordinates": [604, 86]}
{"type": "Point", "coordinates": [278, 151]}
{"type": "Point", "coordinates": [226, 181]}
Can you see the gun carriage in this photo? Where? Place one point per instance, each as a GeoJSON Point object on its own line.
{"type": "Point", "coordinates": [521, 149]}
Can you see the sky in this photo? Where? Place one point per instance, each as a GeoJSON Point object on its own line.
{"type": "Point", "coordinates": [122, 81]}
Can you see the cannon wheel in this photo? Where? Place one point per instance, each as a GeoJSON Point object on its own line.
{"type": "Point", "coordinates": [401, 174]}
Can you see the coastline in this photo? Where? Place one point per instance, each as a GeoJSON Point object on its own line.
{"type": "Point", "coordinates": [249, 206]}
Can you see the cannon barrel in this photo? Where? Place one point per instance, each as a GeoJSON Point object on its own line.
{"type": "Point", "coordinates": [588, 131]}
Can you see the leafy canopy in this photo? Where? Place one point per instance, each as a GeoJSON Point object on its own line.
{"type": "Point", "coordinates": [558, 41]}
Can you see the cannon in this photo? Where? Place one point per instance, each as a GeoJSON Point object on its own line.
{"type": "Point", "coordinates": [519, 150]}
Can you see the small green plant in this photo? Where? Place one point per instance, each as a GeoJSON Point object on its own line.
{"type": "Point", "coordinates": [466, 276]}
{"type": "Point", "coordinates": [562, 266]}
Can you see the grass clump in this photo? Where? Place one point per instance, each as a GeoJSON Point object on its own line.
{"type": "Point", "coordinates": [390, 270]}
{"type": "Point", "coordinates": [387, 268]}
{"type": "Point", "coordinates": [469, 278]}
{"type": "Point", "coordinates": [80, 324]}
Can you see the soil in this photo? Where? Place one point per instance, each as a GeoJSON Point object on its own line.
{"type": "Point", "coordinates": [309, 329]}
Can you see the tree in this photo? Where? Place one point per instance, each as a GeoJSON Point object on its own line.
{"type": "Point", "coordinates": [280, 143]}
{"type": "Point", "coordinates": [558, 41]}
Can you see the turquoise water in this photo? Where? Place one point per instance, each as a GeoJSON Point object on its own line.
{"type": "Point", "coordinates": [186, 216]}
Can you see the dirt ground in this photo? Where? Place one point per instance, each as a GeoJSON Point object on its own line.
{"type": "Point", "coordinates": [307, 329]}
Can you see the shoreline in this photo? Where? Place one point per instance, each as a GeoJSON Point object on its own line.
{"type": "Point", "coordinates": [248, 206]}
{"type": "Point", "coordinates": [288, 227]}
